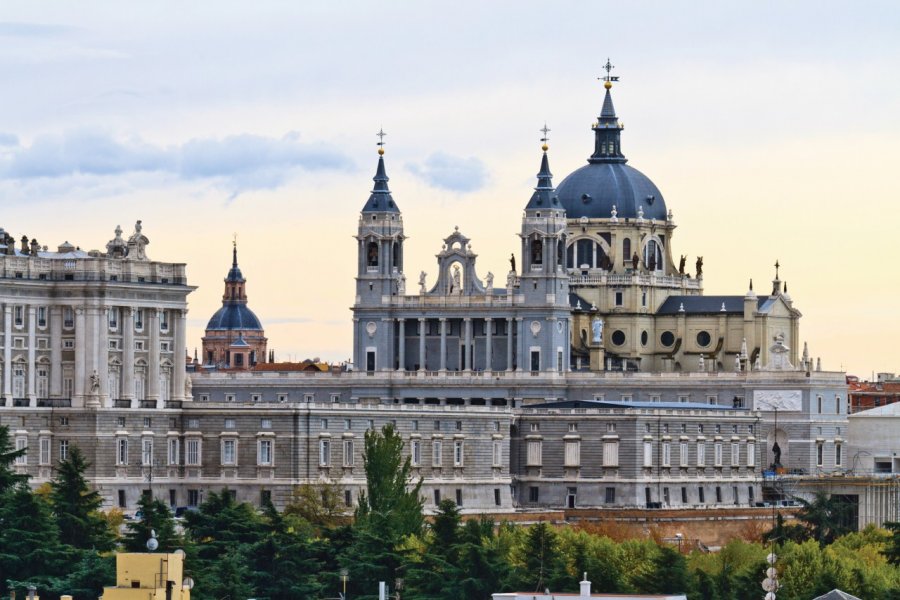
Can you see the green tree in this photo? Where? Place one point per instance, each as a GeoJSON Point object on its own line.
{"type": "Point", "coordinates": [480, 560]}
{"type": "Point", "coordinates": [77, 507]}
{"type": "Point", "coordinates": [8, 477]}
{"type": "Point", "coordinates": [388, 512]}
{"type": "Point", "coordinates": [228, 577]}
{"type": "Point", "coordinates": [436, 573]}
{"type": "Point", "coordinates": [320, 504]}
{"type": "Point", "coordinates": [669, 574]}
{"type": "Point", "coordinates": [85, 579]}
{"type": "Point", "coordinates": [30, 550]}
{"type": "Point", "coordinates": [284, 561]}
{"type": "Point", "coordinates": [827, 517]}
{"type": "Point", "coordinates": [539, 565]}
{"type": "Point", "coordinates": [892, 549]}
{"type": "Point", "coordinates": [155, 518]}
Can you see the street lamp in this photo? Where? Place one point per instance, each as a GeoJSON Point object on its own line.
{"type": "Point", "coordinates": [345, 575]}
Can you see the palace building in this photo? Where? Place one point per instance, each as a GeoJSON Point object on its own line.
{"type": "Point", "coordinates": [594, 373]}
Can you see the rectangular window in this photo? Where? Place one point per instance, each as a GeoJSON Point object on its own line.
{"type": "Point", "coordinates": [19, 319]}
{"type": "Point", "coordinates": [535, 450]}
{"type": "Point", "coordinates": [265, 423]}
{"type": "Point", "coordinates": [701, 494]}
{"type": "Point", "coordinates": [193, 498]}
{"type": "Point", "coordinates": [42, 316]}
{"type": "Point", "coordinates": [497, 453]}
{"type": "Point", "coordinates": [230, 424]}
{"type": "Point", "coordinates": [458, 453]}
{"type": "Point", "coordinates": [735, 454]}
{"type": "Point", "coordinates": [573, 427]}
{"type": "Point", "coordinates": [666, 454]}
{"type": "Point", "coordinates": [139, 320]}
{"type": "Point", "coordinates": [819, 404]}
{"type": "Point", "coordinates": [718, 494]}
{"type": "Point", "coordinates": [684, 495]}
{"type": "Point", "coordinates": [163, 320]}
{"type": "Point", "coordinates": [717, 457]}
{"type": "Point", "coordinates": [610, 428]}
{"type": "Point", "coordinates": [264, 453]}
{"type": "Point", "coordinates": [734, 494]}
{"type": "Point", "coordinates": [147, 452]}
{"type": "Point", "coordinates": [45, 451]}
{"type": "Point", "coordinates": [437, 449]}
{"type": "Point", "coordinates": [820, 454]}
{"type": "Point", "coordinates": [193, 423]}
{"type": "Point", "coordinates": [620, 298]}
{"type": "Point", "coordinates": [63, 449]}
{"type": "Point", "coordinates": [611, 453]}
{"type": "Point", "coordinates": [348, 453]}
{"type": "Point", "coordinates": [112, 315]}
{"type": "Point", "coordinates": [683, 454]}
{"type": "Point", "coordinates": [348, 498]}
{"type": "Point", "coordinates": [229, 452]}
{"type": "Point", "coordinates": [459, 426]}
{"type": "Point", "coordinates": [324, 453]}
{"type": "Point", "coordinates": [348, 424]}
{"type": "Point", "coordinates": [173, 451]}
{"type": "Point", "coordinates": [838, 455]}
{"type": "Point", "coordinates": [458, 497]}
{"type": "Point", "coordinates": [666, 497]}
{"type": "Point", "coordinates": [573, 453]}
{"type": "Point", "coordinates": [147, 422]}
{"type": "Point", "coordinates": [751, 454]}
{"type": "Point", "coordinates": [648, 454]}
{"type": "Point", "coordinates": [323, 423]}
{"type": "Point", "coordinates": [192, 452]}
{"type": "Point", "coordinates": [535, 426]}
{"type": "Point", "coordinates": [122, 452]}
{"type": "Point", "coordinates": [610, 495]}
{"type": "Point", "coordinates": [437, 497]}
{"type": "Point", "coordinates": [701, 454]}
{"type": "Point", "coordinates": [533, 494]}
{"type": "Point", "coordinates": [496, 496]}
{"type": "Point", "coordinates": [415, 451]}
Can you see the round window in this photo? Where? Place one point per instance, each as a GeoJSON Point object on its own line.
{"type": "Point", "coordinates": [667, 338]}
{"type": "Point", "coordinates": [644, 338]}
{"type": "Point", "coordinates": [618, 337]}
{"type": "Point", "coordinates": [703, 339]}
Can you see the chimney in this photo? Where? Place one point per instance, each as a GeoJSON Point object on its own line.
{"type": "Point", "coordinates": [585, 587]}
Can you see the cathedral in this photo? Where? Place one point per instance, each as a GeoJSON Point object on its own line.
{"type": "Point", "coordinates": [595, 373]}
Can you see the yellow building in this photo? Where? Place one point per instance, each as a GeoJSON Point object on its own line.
{"type": "Point", "coordinates": [149, 576]}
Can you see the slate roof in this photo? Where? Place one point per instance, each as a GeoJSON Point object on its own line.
{"type": "Point", "coordinates": [592, 190]}
{"type": "Point", "coordinates": [711, 304]}
{"type": "Point", "coordinates": [836, 595]}
{"type": "Point", "coordinates": [380, 200]}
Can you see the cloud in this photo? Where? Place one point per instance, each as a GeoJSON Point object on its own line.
{"type": "Point", "coordinates": [237, 163]}
{"type": "Point", "coordinates": [451, 172]}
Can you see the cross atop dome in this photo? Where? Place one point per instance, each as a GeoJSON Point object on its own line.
{"type": "Point", "coordinates": [608, 78]}
{"type": "Point", "coordinates": [381, 141]}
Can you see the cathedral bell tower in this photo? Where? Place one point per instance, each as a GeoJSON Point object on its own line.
{"type": "Point", "coordinates": [544, 282]}
{"type": "Point", "coordinates": [379, 271]}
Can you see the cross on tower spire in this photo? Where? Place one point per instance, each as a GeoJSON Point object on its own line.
{"type": "Point", "coordinates": [545, 130]}
{"type": "Point", "coordinates": [608, 78]}
{"type": "Point", "coordinates": [381, 142]}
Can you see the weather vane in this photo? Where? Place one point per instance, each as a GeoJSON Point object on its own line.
{"type": "Point", "coordinates": [545, 130]}
{"type": "Point", "coordinates": [608, 67]}
{"type": "Point", "coordinates": [381, 135]}
{"type": "Point", "coordinates": [234, 239]}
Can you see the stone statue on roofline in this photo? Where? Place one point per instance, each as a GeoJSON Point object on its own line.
{"type": "Point", "coordinates": [137, 244]}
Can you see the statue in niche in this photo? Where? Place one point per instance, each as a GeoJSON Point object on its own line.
{"type": "Point", "coordinates": [652, 265]}
{"type": "Point", "coordinates": [137, 243]}
{"type": "Point", "coordinates": [512, 263]}
{"type": "Point", "coordinates": [422, 277]}
{"type": "Point", "coordinates": [95, 382]}
{"type": "Point", "coordinates": [699, 267]}
{"type": "Point", "coordinates": [489, 280]}
{"type": "Point", "coordinates": [776, 451]}
{"type": "Point", "coordinates": [456, 285]}
{"type": "Point", "coordinates": [188, 386]}
{"type": "Point", "coordinates": [597, 330]}
{"type": "Point", "coordinates": [635, 261]}
{"type": "Point", "coordinates": [681, 264]}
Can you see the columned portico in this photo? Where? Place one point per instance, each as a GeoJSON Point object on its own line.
{"type": "Point", "coordinates": [55, 351]}
{"type": "Point", "coordinates": [509, 344]}
{"type": "Point", "coordinates": [488, 363]}
{"type": "Point", "coordinates": [422, 324]}
{"type": "Point", "coordinates": [401, 344]}
{"type": "Point", "coordinates": [153, 362]}
{"type": "Point", "coordinates": [32, 364]}
{"type": "Point", "coordinates": [127, 392]}
{"type": "Point", "coordinates": [443, 362]}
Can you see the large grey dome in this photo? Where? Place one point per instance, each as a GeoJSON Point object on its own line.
{"type": "Point", "coordinates": [592, 190]}
{"type": "Point", "coordinates": [606, 180]}
{"type": "Point", "coordinates": [233, 315]}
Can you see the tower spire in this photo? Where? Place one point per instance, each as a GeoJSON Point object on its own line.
{"type": "Point", "coordinates": [543, 191]}
{"type": "Point", "coordinates": [380, 199]}
{"type": "Point", "coordinates": [607, 129]}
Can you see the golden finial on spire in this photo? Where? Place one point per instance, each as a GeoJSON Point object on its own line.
{"type": "Point", "coordinates": [545, 130]}
{"type": "Point", "coordinates": [380, 143]}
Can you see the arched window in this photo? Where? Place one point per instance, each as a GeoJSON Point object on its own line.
{"type": "Point", "coordinates": [653, 256]}
{"type": "Point", "coordinates": [372, 254]}
{"type": "Point", "coordinates": [570, 256]}
{"type": "Point", "coordinates": [397, 256]}
{"type": "Point", "coordinates": [626, 250]}
{"type": "Point", "coordinates": [584, 253]}
{"type": "Point", "coordinates": [560, 251]}
{"type": "Point", "coordinates": [537, 252]}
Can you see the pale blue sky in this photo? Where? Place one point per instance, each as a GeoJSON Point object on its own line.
{"type": "Point", "coordinates": [771, 128]}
